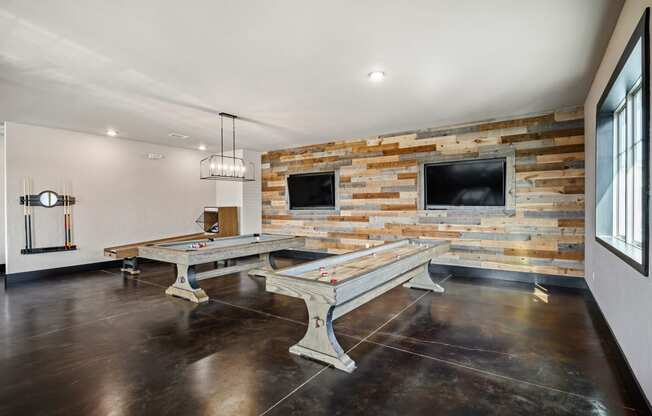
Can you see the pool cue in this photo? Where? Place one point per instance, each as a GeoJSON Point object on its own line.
{"type": "Point", "coordinates": [29, 211]}
{"type": "Point", "coordinates": [70, 215]}
{"type": "Point", "coordinates": [65, 217]}
{"type": "Point", "coordinates": [69, 204]}
{"type": "Point", "coordinates": [25, 213]}
{"type": "Point", "coordinates": [66, 208]}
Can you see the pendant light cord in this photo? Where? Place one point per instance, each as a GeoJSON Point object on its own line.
{"type": "Point", "coordinates": [235, 169]}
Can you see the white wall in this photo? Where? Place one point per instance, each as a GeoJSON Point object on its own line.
{"type": "Point", "coordinates": [251, 215]}
{"type": "Point", "coordinates": [244, 195]}
{"type": "Point", "coordinates": [122, 196]}
{"type": "Point", "coordinates": [624, 295]}
{"type": "Point", "coordinates": [229, 194]}
{"type": "Point", "coordinates": [2, 194]}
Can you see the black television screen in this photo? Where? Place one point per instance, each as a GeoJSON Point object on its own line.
{"type": "Point", "coordinates": [312, 190]}
{"type": "Point", "coordinates": [465, 183]}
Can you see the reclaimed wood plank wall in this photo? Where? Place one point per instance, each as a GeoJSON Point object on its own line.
{"type": "Point", "coordinates": [378, 194]}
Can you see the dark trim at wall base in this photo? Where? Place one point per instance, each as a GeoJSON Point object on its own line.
{"type": "Point", "coordinates": [631, 382]}
{"type": "Point", "coordinates": [524, 277]}
{"type": "Point", "coordinates": [462, 271]}
{"type": "Point", "coordinates": [14, 278]}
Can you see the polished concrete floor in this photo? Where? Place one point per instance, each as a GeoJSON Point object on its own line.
{"type": "Point", "coordinates": [97, 344]}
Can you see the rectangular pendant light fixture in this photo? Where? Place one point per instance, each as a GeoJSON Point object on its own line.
{"type": "Point", "coordinates": [220, 167]}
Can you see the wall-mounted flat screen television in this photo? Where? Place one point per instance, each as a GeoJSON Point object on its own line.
{"type": "Point", "coordinates": [469, 183]}
{"type": "Point", "coordinates": [312, 190]}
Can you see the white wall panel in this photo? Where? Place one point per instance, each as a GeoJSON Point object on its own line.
{"type": "Point", "coordinates": [122, 196]}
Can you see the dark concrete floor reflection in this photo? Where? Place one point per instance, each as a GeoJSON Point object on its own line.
{"type": "Point", "coordinates": [97, 343]}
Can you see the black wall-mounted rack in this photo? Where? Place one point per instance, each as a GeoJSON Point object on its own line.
{"type": "Point", "coordinates": [35, 201]}
{"type": "Point", "coordinates": [47, 199]}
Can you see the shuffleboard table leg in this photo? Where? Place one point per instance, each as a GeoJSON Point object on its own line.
{"type": "Point", "coordinates": [423, 281]}
{"type": "Point", "coordinates": [130, 265]}
{"type": "Point", "coordinates": [319, 342]}
{"type": "Point", "coordinates": [186, 286]}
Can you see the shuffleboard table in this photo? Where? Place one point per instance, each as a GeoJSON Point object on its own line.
{"type": "Point", "coordinates": [187, 254]}
{"type": "Point", "coordinates": [334, 286]}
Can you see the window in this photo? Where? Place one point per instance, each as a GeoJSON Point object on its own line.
{"type": "Point", "coordinates": [622, 148]}
{"type": "Point", "coordinates": [628, 168]}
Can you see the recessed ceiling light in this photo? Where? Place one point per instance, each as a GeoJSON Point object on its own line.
{"type": "Point", "coordinates": [376, 76]}
{"type": "Point", "coordinates": [202, 147]}
{"type": "Point", "coordinates": [111, 132]}
{"type": "Point", "coordinates": [178, 135]}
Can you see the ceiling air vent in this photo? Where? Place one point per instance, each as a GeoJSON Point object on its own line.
{"type": "Point", "coordinates": [155, 156]}
{"type": "Point", "coordinates": [178, 135]}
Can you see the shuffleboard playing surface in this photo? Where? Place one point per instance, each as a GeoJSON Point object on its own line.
{"type": "Point", "coordinates": [356, 266]}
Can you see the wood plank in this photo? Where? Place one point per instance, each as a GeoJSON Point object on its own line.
{"type": "Point", "coordinates": [410, 175]}
{"type": "Point", "coordinates": [571, 222]}
{"type": "Point", "coordinates": [545, 254]}
{"type": "Point", "coordinates": [354, 218]}
{"type": "Point", "coordinates": [398, 207]}
{"type": "Point", "coordinates": [573, 148]}
{"type": "Point", "coordinates": [375, 195]}
{"type": "Point", "coordinates": [516, 138]}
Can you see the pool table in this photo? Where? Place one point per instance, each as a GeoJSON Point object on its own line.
{"type": "Point", "coordinates": [187, 254]}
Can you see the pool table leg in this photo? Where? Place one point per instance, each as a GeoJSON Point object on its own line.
{"type": "Point", "coordinates": [130, 265]}
{"type": "Point", "coordinates": [319, 342]}
{"type": "Point", "coordinates": [266, 265]}
{"type": "Point", "coordinates": [266, 259]}
{"type": "Point", "coordinates": [186, 286]}
{"type": "Point", "coordinates": [423, 281]}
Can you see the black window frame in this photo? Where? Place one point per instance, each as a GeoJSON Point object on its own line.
{"type": "Point", "coordinates": [604, 128]}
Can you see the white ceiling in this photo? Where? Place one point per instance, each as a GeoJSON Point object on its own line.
{"type": "Point", "coordinates": [295, 70]}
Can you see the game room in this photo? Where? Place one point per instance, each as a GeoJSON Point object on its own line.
{"type": "Point", "coordinates": [258, 208]}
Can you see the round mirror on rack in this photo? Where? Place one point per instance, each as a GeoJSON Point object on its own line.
{"type": "Point", "coordinates": [48, 199]}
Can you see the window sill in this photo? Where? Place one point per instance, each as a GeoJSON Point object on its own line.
{"type": "Point", "coordinates": [631, 254]}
